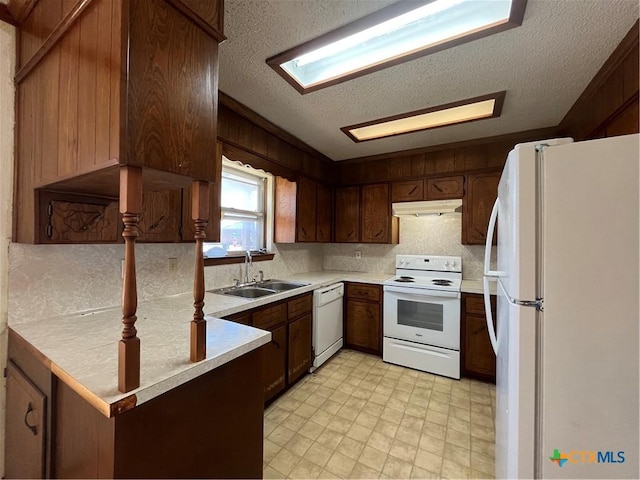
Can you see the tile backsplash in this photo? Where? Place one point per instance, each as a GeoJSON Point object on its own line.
{"type": "Point", "coordinates": [428, 235]}
{"type": "Point", "coordinates": [50, 280]}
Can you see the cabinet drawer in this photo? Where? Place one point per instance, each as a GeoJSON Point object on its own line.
{"type": "Point", "coordinates": [474, 304]}
{"type": "Point", "coordinates": [363, 291]}
{"type": "Point", "coordinates": [270, 317]}
{"type": "Point", "coordinates": [299, 306]}
{"type": "Point", "coordinates": [407, 191]}
{"type": "Point", "coordinates": [445, 188]}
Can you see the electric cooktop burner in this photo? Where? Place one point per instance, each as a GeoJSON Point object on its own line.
{"type": "Point", "coordinates": [439, 281]}
{"type": "Point", "coordinates": [405, 279]}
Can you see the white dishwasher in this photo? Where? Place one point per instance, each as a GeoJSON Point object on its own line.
{"type": "Point", "coordinates": [327, 323]}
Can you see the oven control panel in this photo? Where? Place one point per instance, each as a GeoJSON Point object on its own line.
{"type": "Point", "coordinates": [429, 263]}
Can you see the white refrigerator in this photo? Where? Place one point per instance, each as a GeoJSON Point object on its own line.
{"type": "Point", "coordinates": [568, 310]}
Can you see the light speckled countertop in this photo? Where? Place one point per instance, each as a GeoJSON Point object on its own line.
{"type": "Point", "coordinates": [476, 286]}
{"type": "Point", "coordinates": [224, 305]}
{"type": "Point", "coordinates": [82, 349]}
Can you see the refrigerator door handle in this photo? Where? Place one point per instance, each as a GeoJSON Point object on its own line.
{"type": "Point", "coordinates": [489, 316]}
{"type": "Point", "coordinates": [538, 303]}
{"type": "Point", "coordinates": [490, 275]}
{"type": "Point", "coordinates": [488, 245]}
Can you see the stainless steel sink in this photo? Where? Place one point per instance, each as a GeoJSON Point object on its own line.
{"type": "Point", "coordinates": [281, 285]}
{"type": "Point", "coordinates": [249, 292]}
{"type": "Point", "coordinates": [260, 289]}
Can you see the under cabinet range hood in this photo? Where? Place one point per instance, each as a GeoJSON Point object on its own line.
{"type": "Point", "coordinates": [432, 207]}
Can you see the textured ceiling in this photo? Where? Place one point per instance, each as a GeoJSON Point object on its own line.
{"type": "Point", "coordinates": [544, 65]}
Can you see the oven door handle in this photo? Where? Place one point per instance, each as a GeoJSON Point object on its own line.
{"type": "Point", "coordinates": [423, 296]}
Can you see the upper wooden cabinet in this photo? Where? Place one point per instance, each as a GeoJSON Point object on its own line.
{"type": "Point", "coordinates": [438, 188]}
{"type": "Point", "coordinates": [363, 215]}
{"type": "Point", "coordinates": [409, 191]}
{"type": "Point", "coordinates": [347, 219]}
{"type": "Point", "coordinates": [306, 210]}
{"type": "Point", "coordinates": [444, 188]}
{"type": "Point", "coordinates": [324, 213]}
{"type": "Point", "coordinates": [481, 193]}
{"type": "Point", "coordinates": [303, 211]}
{"type": "Point", "coordinates": [106, 83]}
{"type": "Point", "coordinates": [378, 225]}
{"type": "Point", "coordinates": [160, 217]}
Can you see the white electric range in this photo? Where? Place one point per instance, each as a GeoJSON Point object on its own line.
{"type": "Point", "coordinates": [421, 319]}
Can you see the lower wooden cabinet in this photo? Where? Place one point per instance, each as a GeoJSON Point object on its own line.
{"type": "Point", "coordinates": [25, 426]}
{"type": "Point", "coordinates": [299, 348]}
{"type": "Point", "coordinates": [363, 319]}
{"type": "Point", "coordinates": [275, 361]}
{"type": "Point", "coordinates": [29, 403]}
{"type": "Point", "coordinates": [287, 358]}
{"type": "Point", "coordinates": [209, 427]}
{"type": "Point", "coordinates": [478, 358]}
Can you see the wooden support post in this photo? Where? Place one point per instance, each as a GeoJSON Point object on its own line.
{"type": "Point", "coordinates": [200, 216]}
{"type": "Point", "coordinates": [129, 345]}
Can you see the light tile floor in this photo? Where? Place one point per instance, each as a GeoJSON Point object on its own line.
{"type": "Point", "coordinates": [358, 417]}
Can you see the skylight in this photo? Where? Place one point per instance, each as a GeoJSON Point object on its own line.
{"type": "Point", "coordinates": [401, 32]}
{"type": "Point", "coordinates": [487, 106]}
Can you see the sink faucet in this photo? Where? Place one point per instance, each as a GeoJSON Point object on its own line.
{"type": "Point", "coordinates": [247, 263]}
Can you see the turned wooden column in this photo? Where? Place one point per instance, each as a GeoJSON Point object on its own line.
{"type": "Point", "coordinates": [129, 345]}
{"type": "Point", "coordinates": [200, 216]}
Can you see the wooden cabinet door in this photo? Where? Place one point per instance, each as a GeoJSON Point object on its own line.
{"type": "Point", "coordinates": [482, 191]}
{"type": "Point", "coordinates": [25, 423]}
{"type": "Point", "coordinates": [299, 348]}
{"type": "Point", "coordinates": [274, 360]}
{"type": "Point", "coordinates": [68, 218]}
{"type": "Point", "coordinates": [324, 213]}
{"type": "Point", "coordinates": [363, 326]}
{"type": "Point", "coordinates": [408, 191]}
{"type": "Point", "coordinates": [160, 217]}
{"type": "Point", "coordinates": [478, 356]}
{"type": "Point", "coordinates": [376, 214]}
{"type": "Point", "coordinates": [445, 188]}
{"type": "Point", "coordinates": [347, 215]}
{"type": "Point", "coordinates": [306, 211]}
{"type": "Point", "coordinates": [284, 210]}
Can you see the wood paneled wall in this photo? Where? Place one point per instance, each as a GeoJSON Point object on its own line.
{"type": "Point", "coordinates": [609, 105]}
{"type": "Point", "coordinates": [252, 139]}
{"type": "Point", "coordinates": [68, 97]}
{"type": "Point", "coordinates": [480, 155]}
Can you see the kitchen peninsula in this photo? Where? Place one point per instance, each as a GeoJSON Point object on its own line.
{"type": "Point", "coordinates": [185, 420]}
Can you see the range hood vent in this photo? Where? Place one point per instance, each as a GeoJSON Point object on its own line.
{"type": "Point", "coordinates": [433, 207]}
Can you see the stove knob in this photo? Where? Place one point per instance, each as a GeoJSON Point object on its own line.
{"type": "Point", "coordinates": [454, 265]}
{"type": "Point", "coordinates": [446, 264]}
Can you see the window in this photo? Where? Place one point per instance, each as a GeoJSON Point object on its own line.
{"type": "Point", "coordinates": [245, 199]}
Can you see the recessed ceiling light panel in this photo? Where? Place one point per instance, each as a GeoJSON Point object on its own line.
{"type": "Point", "coordinates": [469, 110]}
{"type": "Point", "coordinates": [396, 34]}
